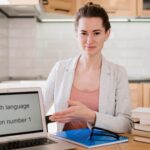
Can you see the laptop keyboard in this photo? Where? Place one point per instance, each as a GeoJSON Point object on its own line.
{"type": "Point", "coordinates": [26, 143]}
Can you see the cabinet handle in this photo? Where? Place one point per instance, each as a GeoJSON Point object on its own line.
{"type": "Point", "coordinates": [45, 2]}
{"type": "Point", "coordinates": [61, 10]}
{"type": "Point", "coordinates": [111, 11]}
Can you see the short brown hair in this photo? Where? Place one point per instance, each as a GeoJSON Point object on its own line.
{"type": "Point", "coordinates": [93, 10]}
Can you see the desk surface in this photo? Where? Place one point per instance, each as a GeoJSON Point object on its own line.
{"type": "Point", "coordinates": [130, 145]}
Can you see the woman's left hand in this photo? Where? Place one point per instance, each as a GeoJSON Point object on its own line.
{"type": "Point", "coordinates": [75, 111]}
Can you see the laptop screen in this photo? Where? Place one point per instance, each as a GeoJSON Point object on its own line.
{"type": "Point", "coordinates": [20, 113]}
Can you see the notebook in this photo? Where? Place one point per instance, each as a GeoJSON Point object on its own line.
{"type": "Point", "coordinates": [82, 137]}
{"type": "Point", "coordinates": [22, 118]}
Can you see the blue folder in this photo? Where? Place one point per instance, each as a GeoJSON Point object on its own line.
{"type": "Point", "coordinates": [82, 137]}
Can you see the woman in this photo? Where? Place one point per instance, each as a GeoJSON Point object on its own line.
{"type": "Point", "coordinates": [89, 90]}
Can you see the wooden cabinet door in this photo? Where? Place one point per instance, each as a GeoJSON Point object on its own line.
{"type": "Point", "coordinates": [114, 7]}
{"type": "Point", "coordinates": [146, 94]}
{"type": "Point", "coordinates": [60, 6]}
{"type": "Point", "coordinates": [136, 95]}
{"type": "Point", "coordinates": [143, 8]}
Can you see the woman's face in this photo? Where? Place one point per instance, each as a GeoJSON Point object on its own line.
{"type": "Point", "coordinates": [91, 35]}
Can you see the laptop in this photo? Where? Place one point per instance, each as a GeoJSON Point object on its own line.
{"type": "Point", "coordinates": [22, 121]}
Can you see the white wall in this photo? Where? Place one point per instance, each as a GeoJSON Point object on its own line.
{"type": "Point", "coordinates": [22, 48]}
{"type": "Point", "coordinates": [128, 45]}
{"type": "Point", "coordinates": [55, 41]}
{"type": "Point", "coordinates": [35, 47]}
{"type": "Point", "coordinates": [4, 53]}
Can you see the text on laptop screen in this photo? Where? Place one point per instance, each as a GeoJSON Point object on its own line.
{"type": "Point", "coordinates": [20, 113]}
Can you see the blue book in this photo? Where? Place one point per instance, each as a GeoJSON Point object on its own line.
{"type": "Point", "coordinates": [83, 137]}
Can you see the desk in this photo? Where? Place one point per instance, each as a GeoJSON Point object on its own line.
{"type": "Point", "coordinates": [131, 145]}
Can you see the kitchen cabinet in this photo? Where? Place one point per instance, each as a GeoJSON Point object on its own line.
{"type": "Point", "coordinates": [136, 94]}
{"type": "Point", "coordinates": [114, 7]}
{"type": "Point", "coordinates": [60, 6]}
{"type": "Point", "coordinates": [140, 94]}
{"type": "Point", "coordinates": [146, 94]}
{"type": "Point", "coordinates": [143, 7]}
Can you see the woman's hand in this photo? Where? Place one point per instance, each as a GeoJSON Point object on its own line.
{"type": "Point", "coordinates": [75, 111]}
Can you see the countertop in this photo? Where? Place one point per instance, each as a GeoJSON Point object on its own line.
{"type": "Point", "coordinates": [22, 83]}
{"type": "Point", "coordinates": [138, 80]}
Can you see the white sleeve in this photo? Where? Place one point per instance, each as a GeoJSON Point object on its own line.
{"type": "Point", "coordinates": [48, 89]}
{"type": "Point", "coordinates": [120, 122]}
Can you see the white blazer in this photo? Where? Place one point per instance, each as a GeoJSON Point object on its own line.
{"type": "Point", "coordinates": [114, 101]}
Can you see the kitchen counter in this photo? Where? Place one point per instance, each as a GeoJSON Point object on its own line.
{"type": "Point", "coordinates": [134, 79]}
{"type": "Point", "coordinates": [138, 80]}
{"type": "Point", "coordinates": [40, 83]}
{"type": "Point", "coordinates": [22, 83]}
